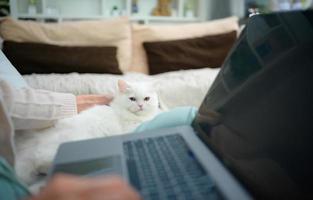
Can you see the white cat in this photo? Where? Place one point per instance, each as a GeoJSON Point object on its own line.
{"type": "Point", "coordinates": [133, 104]}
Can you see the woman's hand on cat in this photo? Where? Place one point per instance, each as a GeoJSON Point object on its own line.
{"type": "Point", "coordinates": [85, 102]}
{"type": "Point", "coordinates": [65, 187]}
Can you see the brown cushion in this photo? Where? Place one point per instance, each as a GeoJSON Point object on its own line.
{"type": "Point", "coordinates": [30, 58]}
{"type": "Point", "coordinates": [114, 32]}
{"type": "Point", "coordinates": [165, 32]}
{"type": "Point", "coordinates": [195, 53]}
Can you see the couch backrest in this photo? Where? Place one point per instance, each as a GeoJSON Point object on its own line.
{"type": "Point", "coordinates": [117, 32]}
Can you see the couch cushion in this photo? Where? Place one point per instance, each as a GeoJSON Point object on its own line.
{"type": "Point", "coordinates": [194, 53]}
{"type": "Point", "coordinates": [45, 58]}
{"type": "Point", "coordinates": [114, 32]}
{"type": "Point", "coordinates": [153, 33]}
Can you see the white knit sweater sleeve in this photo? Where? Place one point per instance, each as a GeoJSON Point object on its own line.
{"type": "Point", "coordinates": [32, 109]}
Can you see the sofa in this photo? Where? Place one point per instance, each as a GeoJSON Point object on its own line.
{"type": "Point", "coordinates": [89, 56]}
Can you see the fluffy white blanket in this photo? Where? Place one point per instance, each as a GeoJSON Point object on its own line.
{"type": "Point", "coordinates": [178, 88]}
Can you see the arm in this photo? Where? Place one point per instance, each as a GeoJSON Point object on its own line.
{"type": "Point", "coordinates": [64, 187]}
{"type": "Point", "coordinates": [33, 109]}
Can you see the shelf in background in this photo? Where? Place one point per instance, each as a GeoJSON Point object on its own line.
{"type": "Point", "coordinates": [145, 19]}
{"type": "Point", "coordinates": [64, 10]}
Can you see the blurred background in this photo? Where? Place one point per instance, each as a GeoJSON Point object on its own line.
{"type": "Point", "coordinates": [144, 11]}
{"type": "Point", "coordinates": [4, 8]}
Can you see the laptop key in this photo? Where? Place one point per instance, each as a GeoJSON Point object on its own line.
{"type": "Point", "coordinates": [133, 174]}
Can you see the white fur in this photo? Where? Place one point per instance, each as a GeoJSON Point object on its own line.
{"type": "Point", "coordinates": [36, 149]}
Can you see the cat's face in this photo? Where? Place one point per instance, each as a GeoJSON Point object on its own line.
{"type": "Point", "coordinates": [138, 98]}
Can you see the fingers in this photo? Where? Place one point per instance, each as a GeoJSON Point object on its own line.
{"type": "Point", "coordinates": [102, 188]}
{"type": "Point", "coordinates": [61, 187]}
{"type": "Point", "coordinates": [110, 188]}
{"type": "Point", "coordinates": [102, 100]}
{"type": "Point", "coordinates": [95, 99]}
{"type": "Point", "coordinates": [87, 101]}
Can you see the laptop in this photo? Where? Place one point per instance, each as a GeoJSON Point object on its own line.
{"type": "Point", "coordinates": [252, 137]}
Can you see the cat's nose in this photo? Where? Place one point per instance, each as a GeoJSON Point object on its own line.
{"type": "Point", "coordinates": [140, 105]}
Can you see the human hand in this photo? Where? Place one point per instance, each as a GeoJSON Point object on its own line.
{"type": "Point", "coordinates": [87, 101]}
{"type": "Point", "coordinates": [67, 187]}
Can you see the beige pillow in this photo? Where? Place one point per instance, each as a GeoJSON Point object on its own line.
{"type": "Point", "coordinates": [153, 33]}
{"type": "Point", "coordinates": [114, 32]}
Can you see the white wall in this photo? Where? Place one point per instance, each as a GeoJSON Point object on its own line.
{"type": "Point", "coordinates": [224, 8]}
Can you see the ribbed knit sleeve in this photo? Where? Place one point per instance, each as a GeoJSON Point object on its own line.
{"type": "Point", "coordinates": [41, 104]}
{"type": "Point", "coordinates": [32, 108]}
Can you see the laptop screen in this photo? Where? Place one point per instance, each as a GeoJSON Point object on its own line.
{"type": "Point", "coordinates": [258, 115]}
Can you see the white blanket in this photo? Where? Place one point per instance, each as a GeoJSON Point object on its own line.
{"type": "Point", "coordinates": [178, 88]}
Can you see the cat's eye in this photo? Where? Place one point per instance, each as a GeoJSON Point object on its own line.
{"type": "Point", "coordinates": [132, 98]}
{"type": "Point", "coordinates": [146, 98]}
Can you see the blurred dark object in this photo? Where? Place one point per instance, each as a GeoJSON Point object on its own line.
{"type": "Point", "coordinates": [253, 7]}
{"type": "Point", "coordinates": [4, 8]}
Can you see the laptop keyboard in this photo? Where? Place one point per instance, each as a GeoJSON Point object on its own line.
{"type": "Point", "coordinates": [165, 168]}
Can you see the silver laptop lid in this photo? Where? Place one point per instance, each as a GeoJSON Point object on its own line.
{"type": "Point", "coordinates": [258, 115]}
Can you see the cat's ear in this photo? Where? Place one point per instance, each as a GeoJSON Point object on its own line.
{"type": "Point", "coordinates": [123, 86]}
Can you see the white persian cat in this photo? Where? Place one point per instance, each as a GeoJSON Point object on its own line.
{"type": "Point", "coordinates": [133, 104]}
